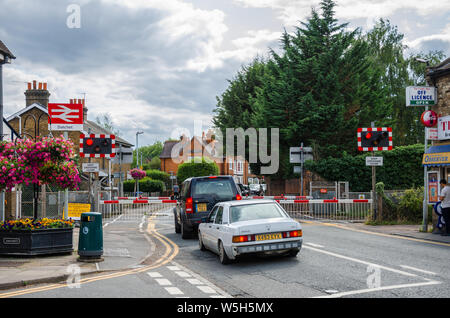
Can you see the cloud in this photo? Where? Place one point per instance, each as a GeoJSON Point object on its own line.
{"type": "Point", "coordinates": [292, 11]}
{"type": "Point", "coordinates": [432, 42]}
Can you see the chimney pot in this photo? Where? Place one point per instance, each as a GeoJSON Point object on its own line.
{"type": "Point", "coordinates": [40, 86]}
{"type": "Point", "coordinates": [29, 86]}
{"type": "Point", "coordinates": [71, 101]}
{"type": "Point", "coordinates": [34, 84]}
{"type": "Point", "coordinates": [45, 86]}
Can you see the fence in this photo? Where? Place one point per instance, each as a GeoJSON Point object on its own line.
{"type": "Point", "coordinates": [135, 209]}
{"type": "Point", "coordinates": [131, 208]}
{"type": "Point", "coordinates": [333, 210]}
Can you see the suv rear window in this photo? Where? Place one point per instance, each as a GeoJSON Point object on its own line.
{"type": "Point", "coordinates": [222, 188]}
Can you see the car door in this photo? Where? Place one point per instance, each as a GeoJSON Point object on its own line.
{"type": "Point", "coordinates": [207, 228]}
{"type": "Point", "coordinates": [216, 229]}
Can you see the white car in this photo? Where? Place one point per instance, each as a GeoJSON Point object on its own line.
{"type": "Point", "coordinates": [234, 228]}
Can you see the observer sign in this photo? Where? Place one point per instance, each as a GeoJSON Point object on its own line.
{"type": "Point", "coordinates": [420, 96]}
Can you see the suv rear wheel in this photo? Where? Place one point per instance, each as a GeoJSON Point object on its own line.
{"type": "Point", "coordinates": [177, 226]}
{"type": "Point", "coordinates": [185, 233]}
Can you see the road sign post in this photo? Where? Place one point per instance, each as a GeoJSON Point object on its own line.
{"type": "Point", "coordinates": [300, 155]}
{"type": "Point", "coordinates": [374, 139]}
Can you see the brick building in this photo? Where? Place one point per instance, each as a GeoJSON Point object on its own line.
{"type": "Point", "coordinates": [32, 120]}
{"type": "Point", "coordinates": [439, 77]}
{"type": "Point", "coordinates": [175, 152]}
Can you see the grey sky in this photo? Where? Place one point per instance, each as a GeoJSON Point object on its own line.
{"type": "Point", "coordinates": [159, 64]}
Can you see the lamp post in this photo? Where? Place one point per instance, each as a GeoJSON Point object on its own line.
{"type": "Point", "coordinates": [425, 178]}
{"type": "Point", "coordinates": [5, 58]}
{"type": "Point", "coordinates": [137, 157]}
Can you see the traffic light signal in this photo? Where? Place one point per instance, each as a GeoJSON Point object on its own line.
{"type": "Point", "coordinates": [97, 146]}
{"type": "Point", "coordinates": [374, 139]}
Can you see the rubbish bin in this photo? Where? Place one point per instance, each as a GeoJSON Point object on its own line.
{"type": "Point", "coordinates": [90, 240]}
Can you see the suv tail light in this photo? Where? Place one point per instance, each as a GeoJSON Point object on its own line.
{"type": "Point", "coordinates": [189, 205]}
{"type": "Point", "coordinates": [238, 197]}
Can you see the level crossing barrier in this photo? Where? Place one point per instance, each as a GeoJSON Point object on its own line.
{"type": "Point", "coordinates": [351, 210]}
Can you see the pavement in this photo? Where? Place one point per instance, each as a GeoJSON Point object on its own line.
{"type": "Point", "coordinates": [126, 248]}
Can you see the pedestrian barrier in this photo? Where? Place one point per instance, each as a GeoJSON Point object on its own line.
{"type": "Point", "coordinates": [135, 209]}
{"type": "Point", "coordinates": [143, 198]}
{"type": "Point", "coordinates": [333, 210]}
{"type": "Point", "coordinates": [279, 197]}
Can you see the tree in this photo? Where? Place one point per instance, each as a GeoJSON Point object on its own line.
{"type": "Point", "coordinates": [396, 73]}
{"type": "Point", "coordinates": [105, 121]}
{"type": "Point", "coordinates": [320, 90]}
{"type": "Point", "coordinates": [196, 169]}
{"type": "Point", "coordinates": [148, 153]}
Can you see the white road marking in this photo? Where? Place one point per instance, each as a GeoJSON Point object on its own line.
{"type": "Point", "coordinates": [361, 262]}
{"type": "Point", "coordinates": [174, 291]}
{"type": "Point", "coordinates": [417, 270]}
{"type": "Point", "coordinates": [106, 224]}
{"type": "Point", "coordinates": [313, 245]}
{"type": "Point", "coordinates": [173, 268]}
{"type": "Point", "coordinates": [203, 280]}
{"type": "Point", "coordinates": [194, 281]}
{"type": "Point", "coordinates": [206, 289]}
{"type": "Point", "coordinates": [371, 290]}
{"type": "Point", "coordinates": [163, 282]}
{"type": "Point", "coordinates": [154, 274]}
{"type": "Point", "coordinates": [141, 225]}
{"type": "Point", "coordinates": [182, 274]}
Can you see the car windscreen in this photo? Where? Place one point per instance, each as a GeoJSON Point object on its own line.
{"type": "Point", "coordinates": [255, 212]}
{"type": "Point", "coordinates": [219, 188]}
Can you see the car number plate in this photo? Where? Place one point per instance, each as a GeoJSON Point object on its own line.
{"type": "Point", "coordinates": [265, 237]}
{"type": "Point", "coordinates": [201, 207]}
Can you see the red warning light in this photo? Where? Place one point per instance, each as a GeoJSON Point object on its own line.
{"type": "Point", "coordinates": [89, 142]}
{"type": "Point", "coordinates": [368, 135]}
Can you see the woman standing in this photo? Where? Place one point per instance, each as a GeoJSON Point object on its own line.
{"type": "Point", "coordinates": [445, 205]}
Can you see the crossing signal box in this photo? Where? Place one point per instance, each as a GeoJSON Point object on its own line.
{"type": "Point", "coordinates": [97, 146]}
{"type": "Point", "coordinates": [375, 139]}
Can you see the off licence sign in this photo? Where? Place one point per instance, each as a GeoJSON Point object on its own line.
{"type": "Point", "coordinates": [420, 95]}
{"type": "Point", "coordinates": [374, 161]}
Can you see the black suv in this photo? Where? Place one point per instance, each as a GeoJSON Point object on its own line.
{"type": "Point", "coordinates": [197, 198]}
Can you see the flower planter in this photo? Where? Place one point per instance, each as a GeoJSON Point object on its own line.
{"type": "Point", "coordinates": [36, 242]}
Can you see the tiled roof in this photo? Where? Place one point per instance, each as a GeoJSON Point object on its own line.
{"type": "Point", "coordinates": [167, 149]}
{"type": "Point", "coordinates": [440, 69]}
{"type": "Point", "coordinates": [97, 129]}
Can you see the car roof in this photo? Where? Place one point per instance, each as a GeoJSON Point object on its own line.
{"type": "Point", "coordinates": [203, 177]}
{"type": "Point", "coordinates": [246, 202]}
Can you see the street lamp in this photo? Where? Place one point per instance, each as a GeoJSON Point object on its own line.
{"type": "Point", "coordinates": [425, 170]}
{"type": "Point", "coordinates": [5, 58]}
{"type": "Point", "coordinates": [137, 156]}
{"type": "Point", "coordinates": [137, 147]}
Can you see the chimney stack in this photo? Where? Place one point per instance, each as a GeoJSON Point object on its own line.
{"type": "Point", "coordinates": [80, 101]}
{"type": "Point", "coordinates": [37, 94]}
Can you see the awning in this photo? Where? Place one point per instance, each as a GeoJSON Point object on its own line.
{"type": "Point", "coordinates": [436, 156]}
